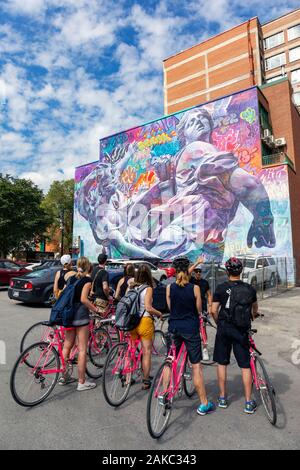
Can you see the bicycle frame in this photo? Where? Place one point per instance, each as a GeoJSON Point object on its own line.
{"type": "Point", "coordinates": [175, 379]}
{"type": "Point", "coordinates": [57, 342]}
{"type": "Point", "coordinates": [130, 355]}
{"type": "Point", "coordinates": [253, 353]}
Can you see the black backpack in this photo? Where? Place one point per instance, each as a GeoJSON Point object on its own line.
{"type": "Point", "coordinates": [239, 312]}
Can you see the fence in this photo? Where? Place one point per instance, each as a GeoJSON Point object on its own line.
{"type": "Point", "coordinates": [269, 276]}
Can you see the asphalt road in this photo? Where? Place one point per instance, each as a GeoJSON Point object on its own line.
{"type": "Point", "coordinates": [73, 420]}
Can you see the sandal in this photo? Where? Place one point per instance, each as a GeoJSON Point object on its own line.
{"type": "Point", "coordinates": [146, 384]}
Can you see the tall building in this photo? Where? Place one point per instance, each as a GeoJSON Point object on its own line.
{"type": "Point", "coordinates": [246, 55]}
{"type": "Point", "coordinates": [219, 174]}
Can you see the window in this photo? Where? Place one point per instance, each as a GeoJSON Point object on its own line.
{"type": "Point", "coordinates": [274, 40]}
{"type": "Point", "coordinates": [273, 79]}
{"type": "Point", "coordinates": [295, 76]}
{"type": "Point", "coordinates": [296, 98]}
{"type": "Point", "coordinates": [294, 54]}
{"type": "Point", "coordinates": [294, 32]}
{"type": "Point", "coordinates": [275, 61]}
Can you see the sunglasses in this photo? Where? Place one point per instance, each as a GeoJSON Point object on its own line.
{"type": "Point", "coordinates": [198, 271]}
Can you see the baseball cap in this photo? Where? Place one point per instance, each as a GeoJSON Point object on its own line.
{"type": "Point", "coordinates": [65, 259]}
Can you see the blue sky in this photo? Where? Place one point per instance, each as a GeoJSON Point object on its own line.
{"type": "Point", "coordinates": [72, 71]}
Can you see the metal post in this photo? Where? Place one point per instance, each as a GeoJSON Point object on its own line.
{"type": "Point", "coordinates": [286, 274]}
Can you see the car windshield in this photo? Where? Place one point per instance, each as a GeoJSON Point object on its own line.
{"type": "Point", "coordinates": [40, 273]}
{"type": "Point", "coordinates": [249, 263]}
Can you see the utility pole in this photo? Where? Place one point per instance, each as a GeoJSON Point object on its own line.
{"type": "Point", "coordinates": [62, 225]}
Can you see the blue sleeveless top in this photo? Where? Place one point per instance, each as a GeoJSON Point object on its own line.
{"type": "Point", "coordinates": [184, 316]}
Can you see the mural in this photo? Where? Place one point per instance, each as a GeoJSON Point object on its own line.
{"type": "Point", "coordinates": [187, 184]}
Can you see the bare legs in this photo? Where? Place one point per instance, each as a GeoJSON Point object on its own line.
{"type": "Point", "coordinates": [247, 381]}
{"type": "Point", "coordinates": [199, 383]}
{"type": "Point", "coordinates": [70, 337]}
{"type": "Point", "coordinates": [146, 360]}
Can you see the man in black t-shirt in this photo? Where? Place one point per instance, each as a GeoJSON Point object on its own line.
{"type": "Point", "coordinates": [229, 336]}
{"type": "Point", "coordinates": [100, 286]}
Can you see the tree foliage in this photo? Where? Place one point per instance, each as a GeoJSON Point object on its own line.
{"type": "Point", "coordinates": [22, 219]}
{"type": "Point", "coordinates": [59, 201]}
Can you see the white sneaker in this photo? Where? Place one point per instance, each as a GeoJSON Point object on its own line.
{"type": "Point", "coordinates": [205, 354]}
{"type": "Point", "coordinates": [86, 386]}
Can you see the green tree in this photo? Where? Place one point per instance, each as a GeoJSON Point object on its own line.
{"type": "Point", "coordinates": [58, 203]}
{"type": "Point", "coordinates": [22, 219]}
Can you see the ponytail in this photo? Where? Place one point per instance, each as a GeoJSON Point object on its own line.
{"type": "Point", "coordinates": [182, 278]}
{"type": "Point", "coordinates": [84, 267]}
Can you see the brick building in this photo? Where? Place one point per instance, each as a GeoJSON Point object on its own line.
{"type": "Point", "coordinates": [250, 54]}
{"type": "Point", "coordinates": [246, 55]}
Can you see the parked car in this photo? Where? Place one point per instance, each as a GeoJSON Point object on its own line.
{"type": "Point", "coordinates": [35, 287]}
{"type": "Point", "coordinates": [10, 269]}
{"type": "Point", "coordinates": [157, 273]}
{"type": "Point", "coordinates": [32, 266]}
{"type": "Point", "coordinates": [260, 271]}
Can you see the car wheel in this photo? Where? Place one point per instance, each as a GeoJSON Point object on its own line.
{"type": "Point", "coordinates": [50, 299]}
{"type": "Point", "coordinates": [254, 282]}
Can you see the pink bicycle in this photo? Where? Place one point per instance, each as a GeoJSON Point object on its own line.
{"type": "Point", "coordinates": [123, 360]}
{"type": "Point", "coordinates": [37, 370]}
{"type": "Point", "coordinates": [173, 376]}
{"type": "Point", "coordinates": [262, 382]}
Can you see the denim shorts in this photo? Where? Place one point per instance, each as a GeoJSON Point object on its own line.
{"type": "Point", "coordinates": [192, 343]}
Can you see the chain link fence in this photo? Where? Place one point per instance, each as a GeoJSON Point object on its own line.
{"type": "Point", "coordinates": [269, 276]}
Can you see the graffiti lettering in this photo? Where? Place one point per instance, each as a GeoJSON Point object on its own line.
{"type": "Point", "coordinates": [249, 115]}
{"type": "Point", "coordinates": [226, 142]}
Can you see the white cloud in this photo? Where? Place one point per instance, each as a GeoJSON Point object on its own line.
{"type": "Point", "coordinates": [26, 7]}
{"type": "Point", "coordinates": [102, 73]}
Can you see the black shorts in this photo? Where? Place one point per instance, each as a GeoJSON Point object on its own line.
{"type": "Point", "coordinates": [229, 337]}
{"type": "Point", "coordinates": [192, 343]}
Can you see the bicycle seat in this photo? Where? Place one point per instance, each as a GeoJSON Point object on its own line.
{"type": "Point", "coordinates": [253, 332]}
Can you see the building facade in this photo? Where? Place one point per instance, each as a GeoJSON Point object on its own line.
{"type": "Point", "coordinates": [246, 55]}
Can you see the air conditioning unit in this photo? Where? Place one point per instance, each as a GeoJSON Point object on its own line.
{"type": "Point", "coordinates": [267, 133]}
{"type": "Point", "coordinates": [280, 142]}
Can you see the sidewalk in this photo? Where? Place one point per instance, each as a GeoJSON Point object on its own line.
{"type": "Point", "coordinates": [281, 325]}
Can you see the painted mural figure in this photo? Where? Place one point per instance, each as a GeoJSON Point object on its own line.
{"type": "Point", "coordinates": [210, 184]}
{"type": "Point", "coordinates": [103, 205]}
{"type": "Point", "coordinates": [195, 196]}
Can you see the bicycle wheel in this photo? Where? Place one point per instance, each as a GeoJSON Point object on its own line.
{"type": "Point", "coordinates": [159, 405]}
{"type": "Point", "coordinates": [159, 347]}
{"type": "Point", "coordinates": [98, 348]}
{"type": "Point", "coordinates": [266, 391]}
{"type": "Point", "coordinates": [113, 333]}
{"type": "Point", "coordinates": [188, 383]}
{"type": "Point", "coordinates": [35, 334]}
{"type": "Point", "coordinates": [116, 378]}
{"type": "Point", "coordinates": [30, 385]}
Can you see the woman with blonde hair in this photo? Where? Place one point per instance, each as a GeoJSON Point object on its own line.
{"type": "Point", "coordinates": [184, 302]}
{"type": "Point", "coordinates": [80, 323]}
